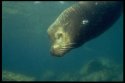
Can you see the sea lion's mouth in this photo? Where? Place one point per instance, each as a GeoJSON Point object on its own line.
{"type": "Point", "coordinates": [57, 53]}
{"type": "Point", "coordinates": [61, 50]}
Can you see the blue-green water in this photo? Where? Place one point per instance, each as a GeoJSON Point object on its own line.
{"type": "Point", "coordinates": [25, 46]}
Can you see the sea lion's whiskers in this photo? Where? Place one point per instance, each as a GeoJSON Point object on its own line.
{"type": "Point", "coordinates": [63, 49]}
{"type": "Point", "coordinates": [66, 47]}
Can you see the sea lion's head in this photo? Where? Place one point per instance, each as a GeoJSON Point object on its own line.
{"type": "Point", "coordinates": [63, 38]}
{"type": "Point", "coordinates": [60, 40]}
{"type": "Point", "coordinates": [63, 33]}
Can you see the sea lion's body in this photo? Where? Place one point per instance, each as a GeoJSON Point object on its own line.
{"type": "Point", "coordinates": [82, 22]}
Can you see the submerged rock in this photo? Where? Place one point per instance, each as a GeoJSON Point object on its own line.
{"type": "Point", "coordinates": [11, 76]}
{"type": "Point", "coordinates": [101, 70]}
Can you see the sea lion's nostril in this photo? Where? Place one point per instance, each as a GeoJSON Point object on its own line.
{"type": "Point", "coordinates": [59, 35]}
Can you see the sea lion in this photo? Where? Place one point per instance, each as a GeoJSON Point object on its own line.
{"type": "Point", "coordinates": [80, 23]}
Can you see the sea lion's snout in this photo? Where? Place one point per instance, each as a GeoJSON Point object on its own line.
{"type": "Point", "coordinates": [55, 51]}
{"type": "Point", "coordinates": [60, 49]}
{"type": "Point", "coordinates": [61, 41]}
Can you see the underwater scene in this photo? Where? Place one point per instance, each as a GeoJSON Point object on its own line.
{"type": "Point", "coordinates": [26, 47]}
